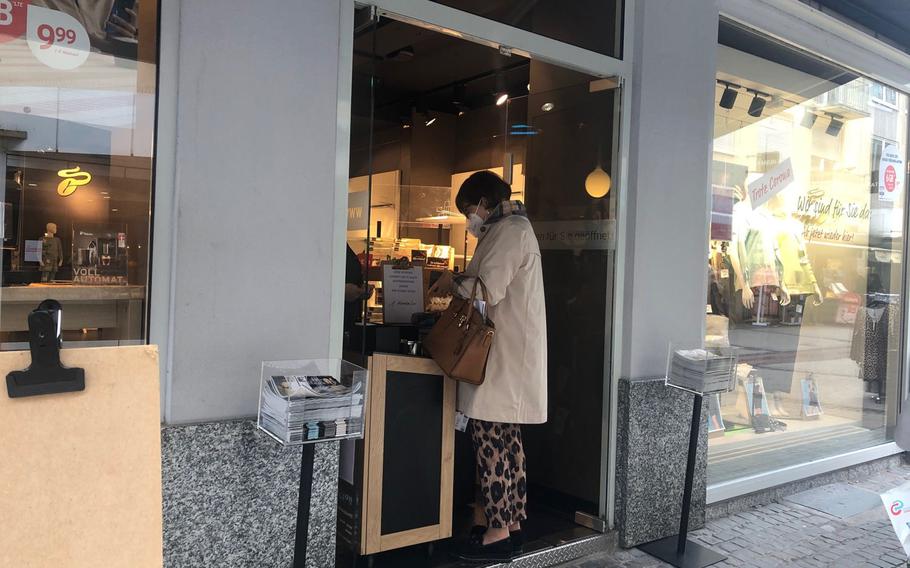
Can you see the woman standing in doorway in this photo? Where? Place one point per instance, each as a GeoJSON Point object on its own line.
{"type": "Point", "coordinates": [507, 261]}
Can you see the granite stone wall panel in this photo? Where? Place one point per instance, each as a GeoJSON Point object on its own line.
{"type": "Point", "coordinates": [231, 494]}
{"type": "Point", "coordinates": [652, 448]}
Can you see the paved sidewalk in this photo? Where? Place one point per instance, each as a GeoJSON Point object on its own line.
{"type": "Point", "coordinates": [788, 534]}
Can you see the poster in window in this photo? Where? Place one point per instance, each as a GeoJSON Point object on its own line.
{"type": "Point", "coordinates": [100, 256]}
{"type": "Point", "coordinates": [890, 174]}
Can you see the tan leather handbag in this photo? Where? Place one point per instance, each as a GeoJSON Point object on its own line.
{"type": "Point", "coordinates": [460, 341]}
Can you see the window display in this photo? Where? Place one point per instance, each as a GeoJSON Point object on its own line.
{"type": "Point", "coordinates": [805, 256]}
{"type": "Point", "coordinates": [76, 149]}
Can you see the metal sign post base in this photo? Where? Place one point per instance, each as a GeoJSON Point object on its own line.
{"type": "Point", "coordinates": [693, 555]}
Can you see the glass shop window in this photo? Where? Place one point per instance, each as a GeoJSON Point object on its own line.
{"type": "Point", "coordinates": [77, 104]}
{"type": "Point", "coordinates": [805, 256]}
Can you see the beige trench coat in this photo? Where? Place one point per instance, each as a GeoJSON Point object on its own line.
{"type": "Point", "coordinates": [507, 259]}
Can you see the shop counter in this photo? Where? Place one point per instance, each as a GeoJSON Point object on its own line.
{"type": "Point", "coordinates": [115, 310]}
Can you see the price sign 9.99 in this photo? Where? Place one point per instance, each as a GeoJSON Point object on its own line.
{"type": "Point", "coordinates": [57, 39]}
{"type": "Point", "coordinates": [12, 19]}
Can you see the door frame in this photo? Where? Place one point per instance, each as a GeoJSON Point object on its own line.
{"type": "Point", "coordinates": [455, 23]}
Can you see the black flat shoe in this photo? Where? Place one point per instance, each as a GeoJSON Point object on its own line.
{"type": "Point", "coordinates": [518, 542]}
{"type": "Point", "coordinates": [499, 551]}
{"type": "Point", "coordinates": [477, 532]}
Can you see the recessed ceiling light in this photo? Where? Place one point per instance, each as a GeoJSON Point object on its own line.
{"type": "Point", "coordinates": [430, 121]}
{"type": "Point", "coordinates": [501, 100]}
{"type": "Point", "coordinates": [547, 107]}
{"type": "Point", "coordinates": [33, 185]}
{"type": "Point", "coordinates": [107, 196]}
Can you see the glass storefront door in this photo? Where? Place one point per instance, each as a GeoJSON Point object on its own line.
{"type": "Point", "coordinates": [428, 110]}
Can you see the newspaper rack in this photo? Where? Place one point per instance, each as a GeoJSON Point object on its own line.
{"type": "Point", "coordinates": [306, 401]}
{"type": "Point", "coordinates": [311, 400]}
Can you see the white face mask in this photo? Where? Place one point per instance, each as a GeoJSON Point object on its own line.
{"type": "Point", "coordinates": [475, 222]}
{"type": "Point", "coordinates": [474, 225]}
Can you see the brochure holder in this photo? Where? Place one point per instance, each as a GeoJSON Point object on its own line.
{"type": "Point", "coordinates": [700, 371]}
{"type": "Point", "coordinates": [304, 402]}
{"type": "Point", "coordinates": [81, 465]}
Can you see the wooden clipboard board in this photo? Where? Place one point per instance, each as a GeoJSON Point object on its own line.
{"type": "Point", "coordinates": [80, 472]}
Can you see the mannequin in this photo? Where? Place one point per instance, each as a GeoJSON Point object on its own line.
{"type": "Point", "coordinates": [51, 254]}
{"type": "Point", "coordinates": [797, 276]}
{"type": "Point", "coordinates": [756, 262]}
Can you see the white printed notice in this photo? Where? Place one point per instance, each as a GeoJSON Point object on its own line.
{"type": "Point", "coordinates": [770, 184]}
{"type": "Point", "coordinates": [33, 251]}
{"type": "Point", "coordinates": [402, 293]}
{"type": "Point", "coordinates": [890, 173]}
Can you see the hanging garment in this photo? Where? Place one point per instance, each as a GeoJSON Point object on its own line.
{"type": "Point", "coordinates": [754, 234]}
{"type": "Point", "coordinates": [766, 307]}
{"type": "Point", "coordinates": [869, 348]}
{"type": "Point", "coordinates": [796, 270]}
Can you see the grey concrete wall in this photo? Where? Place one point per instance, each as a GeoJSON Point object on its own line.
{"type": "Point", "coordinates": [672, 106]}
{"type": "Point", "coordinates": [672, 111]}
{"type": "Point", "coordinates": [255, 178]}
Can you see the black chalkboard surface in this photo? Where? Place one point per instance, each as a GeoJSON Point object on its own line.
{"type": "Point", "coordinates": [413, 445]}
{"type": "Point", "coordinates": [409, 447]}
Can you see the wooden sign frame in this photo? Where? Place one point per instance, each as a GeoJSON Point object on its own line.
{"type": "Point", "coordinates": [372, 538]}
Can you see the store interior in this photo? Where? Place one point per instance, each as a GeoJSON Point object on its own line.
{"type": "Point", "coordinates": [76, 153]}
{"type": "Point", "coordinates": [812, 381]}
{"type": "Point", "coordinates": [77, 223]}
{"type": "Point", "coordinates": [429, 109]}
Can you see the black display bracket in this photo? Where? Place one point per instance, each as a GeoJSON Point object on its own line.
{"type": "Point", "coordinates": [45, 375]}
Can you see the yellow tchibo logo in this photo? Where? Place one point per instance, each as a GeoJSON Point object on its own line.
{"type": "Point", "coordinates": [73, 179]}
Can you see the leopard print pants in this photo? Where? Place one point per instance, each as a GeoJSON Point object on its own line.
{"type": "Point", "coordinates": [501, 472]}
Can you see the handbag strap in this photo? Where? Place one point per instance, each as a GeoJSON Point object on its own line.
{"type": "Point", "coordinates": [484, 293]}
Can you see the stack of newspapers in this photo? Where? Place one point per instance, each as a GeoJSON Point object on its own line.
{"type": "Point", "coordinates": [304, 408]}
{"type": "Point", "coordinates": [702, 371]}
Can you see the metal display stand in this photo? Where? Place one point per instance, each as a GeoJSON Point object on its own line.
{"type": "Point", "coordinates": [677, 550]}
{"type": "Point", "coordinates": [303, 505]}
{"type": "Point", "coordinates": [294, 418]}
{"type": "Point", "coordinates": [717, 373]}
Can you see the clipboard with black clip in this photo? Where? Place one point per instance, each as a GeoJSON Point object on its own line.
{"type": "Point", "coordinates": [80, 452]}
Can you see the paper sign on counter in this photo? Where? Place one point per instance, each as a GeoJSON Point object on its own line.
{"type": "Point", "coordinates": [402, 290]}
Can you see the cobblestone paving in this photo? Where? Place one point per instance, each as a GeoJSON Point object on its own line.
{"type": "Point", "coordinates": [787, 534]}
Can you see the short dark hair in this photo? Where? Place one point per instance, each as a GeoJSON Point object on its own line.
{"type": "Point", "coordinates": [484, 185]}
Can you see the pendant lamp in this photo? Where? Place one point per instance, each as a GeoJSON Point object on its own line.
{"type": "Point", "coordinates": [598, 183]}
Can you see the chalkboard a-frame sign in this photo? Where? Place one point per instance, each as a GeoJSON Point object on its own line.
{"type": "Point", "coordinates": [409, 446]}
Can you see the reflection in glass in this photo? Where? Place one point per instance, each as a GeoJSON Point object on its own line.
{"type": "Point", "coordinates": [806, 250]}
{"type": "Point", "coordinates": [77, 101]}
